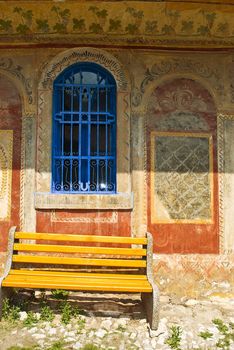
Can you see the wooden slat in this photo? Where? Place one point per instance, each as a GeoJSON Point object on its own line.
{"type": "Point", "coordinates": [81, 280]}
{"type": "Point", "coordinates": [77, 275]}
{"type": "Point", "coordinates": [77, 261]}
{"type": "Point", "coordinates": [80, 238]}
{"type": "Point", "coordinates": [77, 249]}
{"type": "Point", "coordinates": [93, 285]}
{"type": "Point", "coordinates": [54, 285]}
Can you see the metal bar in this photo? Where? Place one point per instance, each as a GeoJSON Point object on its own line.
{"type": "Point", "coordinates": [62, 134]}
{"type": "Point", "coordinates": [71, 139]}
{"type": "Point", "coordinates": [80, 128]}
{"type": "Point", "coordinates": [81, 85]}
{"type": "Point", "coordinates": [89, 134]}
{"type": "Point", "coordinates": [98, 111]}
{"type": "Point", "coordinates": [75, 112]}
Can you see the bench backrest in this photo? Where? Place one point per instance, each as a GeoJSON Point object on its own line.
{"type": "Point", "coordinates": [36, 250]}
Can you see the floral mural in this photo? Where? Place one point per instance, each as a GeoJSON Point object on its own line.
{"type": "Point", "coordinates": [138, 22]}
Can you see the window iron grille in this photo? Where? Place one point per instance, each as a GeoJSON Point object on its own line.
{"type": "Point", "coordinates": [84, 131]}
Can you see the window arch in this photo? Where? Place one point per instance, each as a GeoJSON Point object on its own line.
{"type": "Point", "coordinates": [84, 130]}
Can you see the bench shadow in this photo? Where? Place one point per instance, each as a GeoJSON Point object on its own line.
{"type": "Point", "coordinates": [90, 303]}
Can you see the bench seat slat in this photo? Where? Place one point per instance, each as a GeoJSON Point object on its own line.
{"type": "Point", "coordinates": [54, 285]}
{"type": "Point", "coordinates": [80, 283]}
{"type": "Point", "coordinates": [42, 259]}
{"type": "Point", "coordinates": [80, 280]}
{"type": "Point", "coordinates": [77, 249]}
{"type": "Point", "coordinates": [77, 274]}
{"type": "Point", "coordinates": [80, 238]}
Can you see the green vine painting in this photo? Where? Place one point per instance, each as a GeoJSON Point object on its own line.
{"type": "Point", "coordinates": [131, 21]}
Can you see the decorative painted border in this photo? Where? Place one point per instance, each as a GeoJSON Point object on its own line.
{"type": "Point", "coordinates": [113, 219]}
{"type": "Point", "coordinates": [7, 64]}
{"type": "Point", "coordinates": [3, 167]}
{"type": "Point", "coordinates": [186, 67]}
{"type": "Point", "coordinates": [52, 70]}
{"type": "Point", "coordinates": [131, 22]}
{"type": "Point", "coordinates": [22, 175]}
{"type": "Point", "coordinates": [154, 134]}
{"type": "Point", "coordinates": [8, 156]}
{"type": "Point", "coordinates": [220, 142]}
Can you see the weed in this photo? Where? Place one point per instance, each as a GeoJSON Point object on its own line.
{"type": "Point", "coordinates": [80, 324]}
{"type": "Point", "coordinates": [221, 326]}
{"type": "Point", "coordinates": [121, 328]}
{"type": "Point", "coordinates": [58, 345]}
{"type": "Point", "coordinates": [20, 348]}
{"type": "Point", "coordinates": [60, 294]}
{"type": "Point", "coordinates": [10, 312]}
{"type": "Point", "coordinates": [226, 332]}
{"type": "Point", "coordinates": [31, 320]}
{"type": "Point", "coordinates": [175, 338]}
{"type": "Point", "coordinates": [68, 312]}
{"type": "Point", "coordinates": [205, 335]}
{"type": "Point", "coordinates": [46, 313]}
{"type": "Point", "coordinates": [90, 347]}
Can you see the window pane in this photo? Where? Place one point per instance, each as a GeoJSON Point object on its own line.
{"type": "Point", "coordinates": [66, 140]}
{"type": "Point", "coordinates": [93, 140]}
{"type": "Point", "coordinates": [76, 99]}
{"type": "Point", "coordinates": [67, 98]}
{"type": "Point", "coordinates": [102, 139]}
{"type": "Point", "coordinates": [75, 140]}
{"type": "Point", "coordinates": [85, 100]}
{"type": "Point", "coordinates": [102, 100]}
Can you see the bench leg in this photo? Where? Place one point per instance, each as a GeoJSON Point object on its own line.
{"type": "Point", "coordinates": [151, 304]}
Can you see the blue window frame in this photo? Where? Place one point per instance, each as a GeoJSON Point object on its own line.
{"type": "Point", "coordinates": [84, 130]}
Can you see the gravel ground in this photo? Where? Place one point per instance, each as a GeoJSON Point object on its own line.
{"type": "Point", "coordinates": [118, 322]}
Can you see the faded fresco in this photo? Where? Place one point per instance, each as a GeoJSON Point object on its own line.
{"type": "Point", "coordinates": [181, 175]}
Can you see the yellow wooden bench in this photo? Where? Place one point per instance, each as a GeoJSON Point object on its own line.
{"type": "Point", "coordinates": [101, 263]}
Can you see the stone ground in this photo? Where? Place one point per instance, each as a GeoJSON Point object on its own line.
{"type": "Point", "coordinates": [118, 322]}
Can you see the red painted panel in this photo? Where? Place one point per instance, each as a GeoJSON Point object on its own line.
{"type": "Point", "coordinates": [10, 119]}
{"type": "Point", "coordinates": [96, 222]}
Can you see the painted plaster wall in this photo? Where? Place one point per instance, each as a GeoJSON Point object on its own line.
{"type": "Point", "coordinates": [203, 274]}
{"type": "Point", "coordinates": [10, 162]}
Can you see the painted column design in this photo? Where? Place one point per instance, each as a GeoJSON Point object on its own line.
{"type": "Point", "coordinates": [226, 180]}
{"type": "Point", "coordinates": [139, 216]}
{"type": "Point", "coordinates": [28, 213]}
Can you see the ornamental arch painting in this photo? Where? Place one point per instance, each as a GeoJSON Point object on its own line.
{"type": "Point", "coordinates": [182, 168]}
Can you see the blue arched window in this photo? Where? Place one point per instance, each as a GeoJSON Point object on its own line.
{"type": "Point", "coordinates": [84, 130]}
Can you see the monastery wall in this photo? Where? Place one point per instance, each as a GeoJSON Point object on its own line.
{"type": "Point", "coordinates": [175, 146]}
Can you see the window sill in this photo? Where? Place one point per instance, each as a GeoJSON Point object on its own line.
{"type": "Point", "coordinates": [44, 200]}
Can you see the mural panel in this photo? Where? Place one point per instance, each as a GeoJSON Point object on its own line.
{"type": "Point", "coordinates": [182, 168]}
{"type": "Point", "coordinates": [181, 177]}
